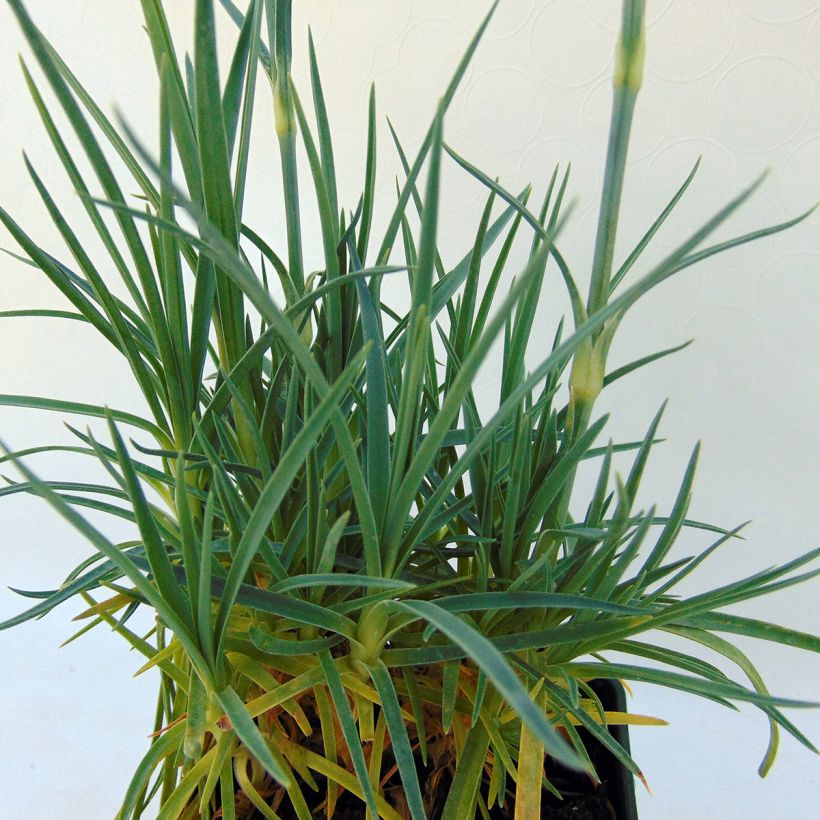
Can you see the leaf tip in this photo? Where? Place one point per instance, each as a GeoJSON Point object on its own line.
{"type": "Point", "coordinates": [640, 775]}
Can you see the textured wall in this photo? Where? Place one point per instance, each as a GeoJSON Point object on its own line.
{"type": "Point", "coordinates": [734, 81]}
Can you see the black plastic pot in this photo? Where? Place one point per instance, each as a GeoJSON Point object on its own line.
{"type": "Point", "coordinates": [614, 797]}
{"type": "Point", "coordinates": [620, 780]}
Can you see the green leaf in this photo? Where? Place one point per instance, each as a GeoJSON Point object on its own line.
{"type": "Point", "coordinates": [644, 360]}
{"type": "Point", "coordinates": [684, 683]}
{"type": "Point", "coordinates": [58, 143]}
{"type": "Point", "coordinates": [155, 550]}
{"type": "Point", "coordinates": [411, 684]}
{"type": "Point", "coordinates": [95, 411]}
{"type": "Point", "coordinates": [215, 171]}
{"type": "Point", "coordinates": [54, 598]}
{"type": "Point", "coordinates": [378, 430]}
{"type": "Point", "coordinates": [122, 561]}
{"type": "Point", "coordinates": [278, 15]}
{"type": "Point", "coordinates": [254, 20]}
{"type": "Point", "coordinates": [330, 238]}
{"type": "Point", "coordinates": [499, 673]}
{"type": "Point", "coordinates": [104, 173]}
{"type": "Point", "coordinates": [182, 117]}
{"type": "Point", "coordinates": [195, 720]}
{"type": "Point", "coordinates": [274, 491]}
{"type": "Point", "coordinates": [271, 645]}
{"type": "Point", "coordinates": [241, 65]}
{"type": "Point", "coordinates": [461, 798]}
{"type": "Point", "coordinates": [440, 425]}
{"type": "Point", "coordinates": [166, 744]}
{"type": "Point", "coordinates": [409, 185]}
{"type": "Point", "coordinates": [248, 732]}
{"type": "Point", "coordinates": [449, 693]}
{"type": "Point", "coordinates": [335, 579]}
{"type": "Point", "coordinates": [323, 124]}
{"type": "Point", "coordinates": [752, 236]}
{"type": "Point", "coordinates": [539, 502]}
{"type": "Point", "coordinates": [752, 628]}
{"type": "Point", "coordinates": [41, 314]}
{"type": "Point", "coordinates": [498, 601]}
{"type": "Point", "coordinates": [369, 180]}
{"type": "Point", "coordinates": [418, 331]}
{"type": "Point", "coordinates": [401, 742]}
{"type": "Point", "coordinates": [348, 726]}
{"type": "Point", "coordinates": [630, 261]}
{"type": "Point", "coordinates": [258, 295]}
{"type": "Point", "coordinates": [673, 525]}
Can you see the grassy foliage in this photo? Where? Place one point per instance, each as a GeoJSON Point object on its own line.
{"type": "Point", "coordinates": [356, 574]}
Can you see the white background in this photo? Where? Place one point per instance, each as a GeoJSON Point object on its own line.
{"type": "Point", "coordinates": [734, 81]}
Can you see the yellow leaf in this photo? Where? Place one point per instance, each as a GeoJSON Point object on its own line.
{"type": "Point", "coordinates": [530, 772]}
{"type": "Point", "coordinates": [157, 658]}
{"type": "Point", "coordinates": [109, 605]}
{"type": "Point", "coordinates": [623, 719]}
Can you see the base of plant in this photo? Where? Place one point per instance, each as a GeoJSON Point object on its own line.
{"type": "Point", "coordinates": [583, 799]}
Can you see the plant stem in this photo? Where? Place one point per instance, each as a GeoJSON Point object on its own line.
{"type": "Point", "coordinates": [279, 27]}
{"type": "Point", "coordinates": [589, 363]}
{"type": "Point", "coordinates": [626, 83]}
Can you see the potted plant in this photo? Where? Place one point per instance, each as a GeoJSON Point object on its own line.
{"type": "Point", "coordinates": [371, 595]}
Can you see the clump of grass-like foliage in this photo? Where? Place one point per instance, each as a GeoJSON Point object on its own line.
{"type": "Point", "coordinates": [364, 589]}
